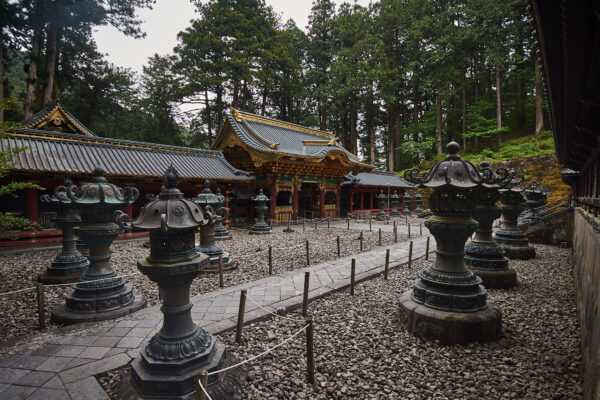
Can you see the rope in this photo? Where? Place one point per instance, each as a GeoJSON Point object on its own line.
{"type": "Point", "coordinates": [269, 311]}
{"type": "Point", "coordinates": [18, 291]}
{"type": "Point", "coordinates": [261, 354]}
{"type": "Point", "coordinates": [204, 390]}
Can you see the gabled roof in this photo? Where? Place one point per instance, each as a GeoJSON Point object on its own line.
{"type": "Point", "coordinates": [46, 152]}
{"type": "Point", "coordinates": [280, 138]}
{"type": "Point", "coordinates": [55, 118]}
{"type": "Point", "coordinates": [377, 179]}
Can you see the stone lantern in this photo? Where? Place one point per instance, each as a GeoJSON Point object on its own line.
{"type": "Point", "coordinates": [101, 293]}
{"type": "Point", "coordinates": [536, 195]}
{"type": "Point", "coordinates": [221, 233]}
{"type": "Point", "coordinates": [395, 203]}
{"type": "Point", "coordinates": [418, 200]}
{"type": "Point", "coordinates": [406, 203]}
{"type": "Point", "coordinates": [210, 202]}
{"type": "Point", "coordinates": [448, 302]}
{"type": "Point", "coordinates": [482, 254]}
{"type": "Point", "coordinates": [168, 365]}
{"type": "Point", "coordinates": [70, 264]}
{"type": "Point", "coordinates": [260, 227]}
{"type": "Point", "coordinates": [381, 200]}
{"type": "Point", "coordinates": [509, 236]}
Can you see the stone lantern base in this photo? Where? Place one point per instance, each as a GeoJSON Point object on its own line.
{"type": "Point", "coordinates": [395, 213]}
{"type": "Point", "coordinates": [381, 216]}
{"type": "Point", "coordinates": [515, 244]}
{"type": "Point", "coordinates": [487, 261]}
{"type": "Point", "coordinates": [449, 327]}
{"type": "Point", "coordinates": [260, 230]}
{"type": "Point", "coordinates": [65, 268]}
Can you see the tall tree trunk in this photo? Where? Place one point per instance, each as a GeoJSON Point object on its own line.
{"type": "Point", "coordinates": [476, 138]}
{"type": "Point", "coordinates": [1, 75]}
{"type": "Point", "coordinates": [415, 102]}
{"type": "Point", "coordinates": [391, 137]}
{"type": "Point", "coordinates": [539, 100]}
{"type": "Point", "coordinates": [32, 74]}
{"type": "Point", "coordinates": [235, 102]}
{"type": "Point", "coordinates": [438, 114]}
{"type": "Point", "coordinates": [50, 64]}
{"type": "Point", "coordinates": [498, 104]}
{"type": "Point", "coordinates": [323, 118]}
{"type": "Point", "coordinates": [263, 103]}
{"type": "Point", "coordinates": [219, 106]}
{"type": "Point", "coordinates": [345, 135]}
{"type": "Point", "coordinates": [208, 119]}
{"type": "Point", "coordinates": [464, 116]}
{"type": "Point", "coordinates": [397, 141]}
{"type": "Point", "coordinates": [371, 130]}
{"type": "Point", "coordinates": [353, 127]}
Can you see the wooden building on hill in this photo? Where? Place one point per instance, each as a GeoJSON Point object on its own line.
{"type": "Point", "coordinates": [301, 169]}
{"type": "Point", "coordinates": [55, 145]}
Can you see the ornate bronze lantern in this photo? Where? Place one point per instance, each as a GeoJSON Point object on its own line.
{"type": "Point", "coordinates": [101, 293]}
{"type": "Point", "coordinates": [209, 202]}
{"type": "Point", "coordinates": [418, 200]}
{"type": "Point", "coordinates": [395, 203]}
{"type": "Point", "coordinates": [221, 233]}
{"type": "Point", "coordinates": [406, 204]}
{"type": "Point", "coordinates": [509, 236]}
{"type": "Point", "coordinates": [168, 366]}
{"type": "Point", "coordinates": [482, 254]}
{"type": "Point", "coordinates": [536, 195]}
{"type": "Point", "coordinates": [69, 265]}
{"type": "Point", "coordinates": [260, 227]}
{"type": "Point", "coordinates": [381, 200]}
{"type": "Point", "coordinates": [448, 302]}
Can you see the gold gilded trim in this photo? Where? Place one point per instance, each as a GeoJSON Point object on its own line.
{"type": "Point", "coordinates": [241, 115]}
{"type": "Point", "coordinates": [271, 145]}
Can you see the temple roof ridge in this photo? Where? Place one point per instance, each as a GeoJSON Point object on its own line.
{"type": "Point", "coordinates": [55, 118]}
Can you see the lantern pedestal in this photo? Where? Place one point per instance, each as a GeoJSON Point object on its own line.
{"type": "Point", "coordinates": [260, 227]}
{"type": "Point", "coordinates": [451, 327]}
{"type": "Point", "coordinates": [221, 233]}
{"type": "Point", "coordinates": [510, 238]}
{"type": "Point", "coordinates": [70, 264]}
{"type": "Point", "coordinates": [482, 254]}
{"type": "Point", "coordinates": [101, 294]}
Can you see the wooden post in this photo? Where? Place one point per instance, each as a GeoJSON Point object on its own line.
{"type": "Point", "coordinates": [327, 222]}
{"type": "Point", "coordinates": [310, 356]}
{"type": "Point", "coordinates": [221, 270]}
{"type": "Point", "coordinates": [270, 260]}
{"type": "Point", "coordinates": [407, 220]}
{"type": "Point", "coordinates": [409, 231]}
{"type": "Point", "coordinates": [395, 234]}
{"type": "Point", "coordinates": [289, 228]}
{"type": "Point", "coordinates": [394, 224]}
{"type": "Point", "coordinates": [380, 236]}
{"type": "Point", "coordinates": [159, 294]}
{"type": "Point", "coordinates": [421, 228]}
{"type": "Point", "coordinates": [370, 224]}
{"type": "Point", "coordinates": [307, 253]}
{"type": "Point", "coordinates": [410, 250]}
{"type": "Point", "coordinates": [361, 241]}
{"type": "Point", "coordinates": [240, 319]}
{"type": "Point", "coordinates": [202, 380]}
{"type": "Point", "coordinates": [305, 296]}
{"type": "Point", "coordinates": [316, 224]}
{"type": "Point", "coordinates": [338, 247]}
{"type": "Point", "coordinates": [303, 225]}
{"type": "Point", "coordinates": [40, 303]}
{"type": "Point", "coordinates": [348, 221]}
{"type": "Point", "coordinates": [387, 264]}
{"type": "Point", "coordinates": [427, 249]}
{"type": "Point", "coordinates": [352, 276]}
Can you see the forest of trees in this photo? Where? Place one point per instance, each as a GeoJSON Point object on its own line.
{"type": "Point", "coordinates": [394, 80]}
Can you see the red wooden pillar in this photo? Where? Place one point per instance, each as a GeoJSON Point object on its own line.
{"type": "Point", "coordinates": [362, 200]}
{"type": "Point", "coordinates": [295, 195]}
{"type": "Point", "coordinates": [273, 206]}
{"type": "Point", "coordinates": [351, 200]}
{"type": "Point", "coordinates": [337, 202]}
{"type": "Point", "coordinates": [32, 205]}
{"type": "Point", "coordinates": [371, 205]}
{"type": "Point", "coordinates": [129, 210]}
{"type": "Point", "coordinates": [322, 202]}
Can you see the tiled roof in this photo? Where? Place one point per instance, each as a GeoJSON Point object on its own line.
{"type": "Point", "coordinates": [49, 152]}
{"type": "Point", "coordinates": [377, 179]}
{"type": "Point", "coordinates": [274, 136]}
{"type": "Point", "coordinates": [56, 118]}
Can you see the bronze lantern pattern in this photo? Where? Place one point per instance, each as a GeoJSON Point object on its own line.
{"type": "Point", "coordinates": [260, 227]}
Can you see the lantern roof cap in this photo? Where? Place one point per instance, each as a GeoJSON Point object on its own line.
{"type": "Point", "coordinates": [206, 196]}
{"type": "Point", "coordinates": [260, 197]}
{"type": "Point", "coordinates": [451, 171]}
{"type": "Point", "coordinates": [100, 191]}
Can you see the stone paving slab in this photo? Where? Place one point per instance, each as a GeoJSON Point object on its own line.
{"type": "Point", "coordinates": [63, 364]}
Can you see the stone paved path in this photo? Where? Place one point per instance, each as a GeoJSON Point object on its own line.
{"type": "Point", "coordinates": [62, 365]}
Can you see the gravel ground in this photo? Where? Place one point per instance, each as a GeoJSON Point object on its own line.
{"type": "Point", "coordinates": [363, 351]}
{"type": "Point", "coordinates": [18, 312]}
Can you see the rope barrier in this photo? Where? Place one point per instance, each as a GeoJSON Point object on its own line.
{"type": "Point", "coordinates": [269, 311]}
{"type": "Point", "coordinates": [204, 390]}
{"type": "Point", "coordinates": [18, 291]}
{"type": "Point", "coordinates": [261, 354]}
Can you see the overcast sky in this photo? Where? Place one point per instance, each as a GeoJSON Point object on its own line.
{"type": "Point", "coordinates": [169, 17]}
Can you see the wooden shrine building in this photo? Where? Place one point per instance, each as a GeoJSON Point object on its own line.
{"type": "Point", "coordinates": [359, 191]}
{"type": "Point", "coordinates": [301, 169]}
{"type": "Point", "coordinates": [55, 145]}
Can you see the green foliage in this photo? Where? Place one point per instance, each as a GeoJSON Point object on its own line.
{"type": "Point", "coordinates": [522, 147]}
{"type": "Point", "coordinates": [481, 121]}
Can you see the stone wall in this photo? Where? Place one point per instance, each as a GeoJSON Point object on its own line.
{"type": "Point", "coordinates": [552, 229]}
{"type": "Point", "coordinates": [586, 244]}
